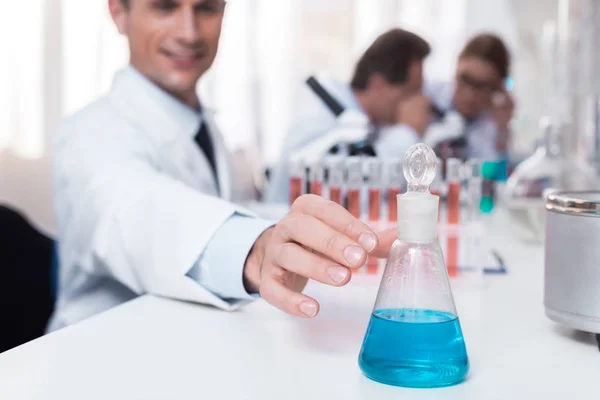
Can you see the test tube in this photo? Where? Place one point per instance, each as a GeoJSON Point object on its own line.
{"type": "Point", "coordinates": [475, 181]}
{"type": "Point", "coordinates": [488, 186]}
{"type": "Point", "coordinates": [297, 177]}
{"type": "Point", "coordinates": [316, 177]}
{"type": "Point", "coordinates": [354, 184]}
{"type": "Point", "coordinates": [394, 188]}
{"type": "Point", "coordinates": [374, 181]}
{"type": "Point", "coordinates": [336, 180]}
{"type": "Point", "coordinates": [437, 185]}
{"type": "Point", "coordinates": [453, 167]}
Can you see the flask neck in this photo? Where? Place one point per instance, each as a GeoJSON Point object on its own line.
{"type": "Point", "coordinates": [417, 217]}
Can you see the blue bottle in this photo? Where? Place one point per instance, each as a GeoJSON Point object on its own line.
{"type": "Point", "coordinates": [414, 338]}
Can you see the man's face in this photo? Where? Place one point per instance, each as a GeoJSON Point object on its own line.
{"type": "Point", "coordinates": [172, 42]}
{"type": "Point", "coordinates": [388, 96]}
{"type": "Point", "coordinates": [476, 82]}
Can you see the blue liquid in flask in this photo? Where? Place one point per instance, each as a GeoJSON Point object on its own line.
{"type": "Point", "coordinates": [414, 348]}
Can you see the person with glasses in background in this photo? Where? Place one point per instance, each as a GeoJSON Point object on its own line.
{"type": "Point", "coordinates": [143, 190]}
{"type": "Point", "coordinates": [474, 112]}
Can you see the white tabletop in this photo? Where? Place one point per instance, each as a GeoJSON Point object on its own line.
{"type": "Point", "coordinates": [155, 348]}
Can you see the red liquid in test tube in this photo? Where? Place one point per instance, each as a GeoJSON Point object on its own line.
{"type": "Point", "coordinates": [316, 188]}
{"type": "Point", "coordinates": [298, 175]}
{"type": "Point", "coordinates": [354, 202]}
{"type": "Point", "coordinates": [392, 201]}
{"type": "Point", "coordinates": [336, 180]}
{"type": "Point", "coordinates": [374, 181]}
{"type": "Point", "coordinates": [354, 186]}
{"type": "Point", "coordinates": [453, 174]}
{"type": "Point", "coordinates": [374, 204]}
{"type": "Point", "coordinates": [296, 184]}
{"type": "Point", "coordinates": [453, 203]}
{"type": "Point", "coordinates": [335, 194]}
{"type": "Point", "coordinates": [355, 183]}
{"type": "Point", "coordinates": [316, 177]}
{"type": "Point", "coordinates": [452, 255]}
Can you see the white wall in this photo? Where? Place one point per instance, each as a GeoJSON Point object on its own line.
{"type": "Point", "coordinates": [25, 167]}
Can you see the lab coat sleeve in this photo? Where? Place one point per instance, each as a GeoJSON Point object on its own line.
{"type": "Point", "coordinates": [393, 141]}
{"type": "Point", "coordinates": [237, 235]}
{"type": "Point", "coordinates": [129, 221]}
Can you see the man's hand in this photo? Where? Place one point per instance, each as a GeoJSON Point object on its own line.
{"type": "Point", "coordinates": [415, 112]}
{"type": "Point", "coordinates": [317, 240]}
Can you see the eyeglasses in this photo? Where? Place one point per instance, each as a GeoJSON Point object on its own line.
{"type": "Point", "coordinates": [480, 86]}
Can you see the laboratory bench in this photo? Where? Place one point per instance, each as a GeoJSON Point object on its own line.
{"type": "Point", "coordinates": [155, 348]}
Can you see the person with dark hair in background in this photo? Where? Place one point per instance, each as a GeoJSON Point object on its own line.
{"type": "Point", "coordinates": [143, 190]}
{"type": "Point", "coordinates": [475, 110]}
{"type": "Point", "coordinates": [386, 87]}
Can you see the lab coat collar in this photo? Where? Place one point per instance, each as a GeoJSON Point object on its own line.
{"type": "Point", "coordinates": [164, 119]}
{"type": "Point", "coordinates": [154, 107]}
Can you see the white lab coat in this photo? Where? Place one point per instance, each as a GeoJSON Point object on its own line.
{"type": "Point", "coordinates": [136, 202]}
{"type": "Point", "coordinates": [315, 120]}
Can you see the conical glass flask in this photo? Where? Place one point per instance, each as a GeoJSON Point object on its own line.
{"type": "Point", "coordinates": [414, 338]}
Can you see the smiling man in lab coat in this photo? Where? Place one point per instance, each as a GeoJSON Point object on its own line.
{"type": "Point", "coordinates": [143, 189]}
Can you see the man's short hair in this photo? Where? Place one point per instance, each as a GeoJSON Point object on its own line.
{"type": "Point", "coordinates": [390, 56]}
{"type": "Point", "coordinates": [489, 48]}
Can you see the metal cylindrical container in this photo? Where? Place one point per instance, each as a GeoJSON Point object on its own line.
{"type": "Point", "coordinates": [572, 260]}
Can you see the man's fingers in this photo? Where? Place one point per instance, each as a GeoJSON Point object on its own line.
{"type": "Point", "coordinates": [386, 240]}
{"type": "Point", "coordinates": [295, 258]}
{"type": "Point", "coordinates": [321, 238]}
{"type": "Point", "coordinates": [338, 218]}
{"type": "Point", "coordinates": [274, 292]}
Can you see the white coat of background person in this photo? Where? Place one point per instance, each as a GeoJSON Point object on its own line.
{"type": "Point", "coordinates": [143, 208]}
{"type": "Point", "coordinates": [386, 88]}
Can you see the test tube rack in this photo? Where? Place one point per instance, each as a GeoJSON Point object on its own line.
{"type": "Point", "coordinates": [367, 187]}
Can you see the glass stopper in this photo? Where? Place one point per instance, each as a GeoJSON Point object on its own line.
{"type": "Point", "coordinates": [419, 167]}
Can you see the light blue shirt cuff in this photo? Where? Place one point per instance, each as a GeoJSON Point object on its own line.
{"type": "Point", "coordinates": [220, 268]}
